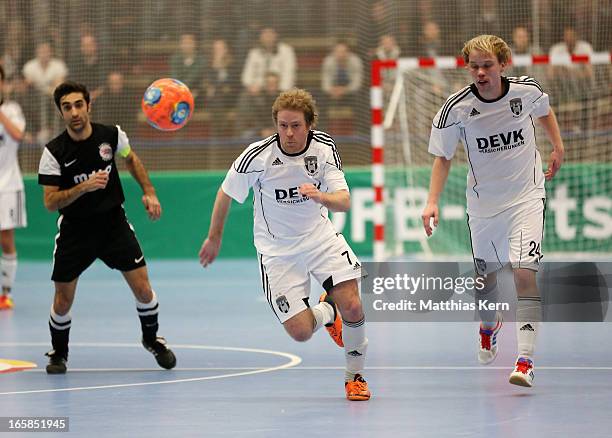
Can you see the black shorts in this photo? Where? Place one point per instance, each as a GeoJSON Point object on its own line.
{"type": "Point", "coordinates": [109, 237]}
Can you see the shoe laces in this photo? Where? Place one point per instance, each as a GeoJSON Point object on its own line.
{"type": "Point", "coordinates": [358, 384]}
{"type": "Point", "coordinates": [485, 339]}
{"type": "Point", "coordinates": [523, 365]}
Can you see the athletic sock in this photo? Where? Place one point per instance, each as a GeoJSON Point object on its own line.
{"type": "Point", "coordinates": [324, 314]}
{"type": "Point", "coordinates": [528, 317]}
{"type": "Point", "coordinates": [8, 266]}
{"type": "Point", "coordinates": [59, 326]}
{"type": "Point", "coordinates": [355, 347]}
{"type": "Point", "coordinates": [489, 293]}
{"type": "Point", "coordinates": [147, 312]}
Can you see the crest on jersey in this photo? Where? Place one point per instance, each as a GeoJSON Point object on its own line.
{"type": "Point", "coordinates": [283, 304]}
{"type": "Point", "coordinates": [311, 164]}
{"type": "Point", "coordinates": [106, 151]}
{"type": "Point", "coordinates": [516, 105]}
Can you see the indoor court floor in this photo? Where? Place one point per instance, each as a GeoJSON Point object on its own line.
{"type": "Point", "coordinates": [240, 375]}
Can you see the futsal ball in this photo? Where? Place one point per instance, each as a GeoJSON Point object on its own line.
{"type": "Point", "coordinates": [167, 104]}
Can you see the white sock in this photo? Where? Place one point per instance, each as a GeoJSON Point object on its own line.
{"type": "Point", "coordinates": [355, 347]}
{"type": "Point", "coordinates": [488, 317]}
{"type": "Point", "coordinates": [323, 314]}
{"type": "Point", "coordinates": [528, 317]}
{"type": "Point", "coordinates": [8, 266]}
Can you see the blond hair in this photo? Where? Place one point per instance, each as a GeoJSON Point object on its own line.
{"type": "Point", "coordinates": [491, 44]}
{"type": "Point", "coordinates": [296, 99]}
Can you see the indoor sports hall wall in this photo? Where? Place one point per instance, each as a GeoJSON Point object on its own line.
{"type": "Point", "coordinates": [576, 219]}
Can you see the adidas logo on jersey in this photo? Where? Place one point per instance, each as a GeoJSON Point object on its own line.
{"type": "Point", "coordinates": [354, 353]}
{"type": "Point", "coordinates": [474, 112]}
{"type": "Point", "coordinates": [277, 162]}
{"type": "Point", "coordinates": [527, 327]}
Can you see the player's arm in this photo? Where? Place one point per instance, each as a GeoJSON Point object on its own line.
{"type": "Point", "coordinates": [212, 243]}
{"type": "Point", "coordinates": [551, 127]}
{"type": "Point", "coordinates": [439, 175]}
{"type": "Point", "coordinates": [54, 198]}
{"type": "Point", "coordinates": [338, 201]}
{"type": "Point", "coordinates": [149, 197]}
{"type": "Point", "coordinates": [11, 128]}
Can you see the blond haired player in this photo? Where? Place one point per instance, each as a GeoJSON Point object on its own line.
{"type": "Point", "coordinates": [12, 197]}
{"type": "Point", "coordinates": [296, 176]}
{"type": "Point", "coordinates": [494, 118]}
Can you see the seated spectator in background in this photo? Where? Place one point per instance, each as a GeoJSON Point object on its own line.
{"type": "Point", "coordinates": [521, 45]}
{"type": "Point", "coordinates": [431, 43]}
{"type": "Point", "coordinates": [387, 47]}
{"type": "Point", "coordinates": [341, 76]}
{"type": "Point", "coordinates": [220, 87]}
{"type": "Point", "coordinates": [577, 78]}
{"type": "Point", "coordinates": [187, 65]}
{"type": "Point", "coordinates": [41, 75]}
{"type": "Point", "coordinates": [88, 68]}
{"type": "Point", "coordinates": [269, 56]}
{"type": "Point", "coordinates": [254, 117]}
{"type": "Point", "coordinates": [116, 106]}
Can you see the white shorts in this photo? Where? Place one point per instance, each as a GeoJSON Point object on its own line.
{"type": "Point", "coordinates": [512, 236]}
{"type": "Point", "coordinates": [286, 279]}
{"type": "Point", "coordinates": [12, 210]}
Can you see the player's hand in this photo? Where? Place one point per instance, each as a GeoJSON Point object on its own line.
{"type": "Point", "coordinates": [98, 181]}
{"type": "Point", "coordinates": [209, 251]}
{"type": "Point", "coordinates": [152, 205]}
{"type": "Point", "coordinates": [430, 211]}
{"type": "Point", "coordinates": [311, 192]}
{"type": "Point", "coordinates": [554, 163]}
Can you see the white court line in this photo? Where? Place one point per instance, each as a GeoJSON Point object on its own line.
{"type": "Point", "coordinates": [293, 361]}
{"type": "Point", "coordinates": [325, 368]}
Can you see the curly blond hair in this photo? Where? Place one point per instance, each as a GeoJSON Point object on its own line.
{"type": "Point", "coordinates": [296, 99]}
{"type": "Point", "coordinates": [488, 44]}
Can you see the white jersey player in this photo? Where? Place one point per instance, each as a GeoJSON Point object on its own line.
{"type": "Point", "coordinates": [296, 176]}
{"type": "Point", "coordinates": [494, 119]}
{"type": "Point", "coordinates": [12, 197]}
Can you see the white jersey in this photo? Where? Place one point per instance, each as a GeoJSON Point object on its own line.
{"type": "Point", "coordinates": [286, 222]}
{"type": "Point", "coordinates": [10, 175]}
{"type": "Point", "coordinates": [505, 167]}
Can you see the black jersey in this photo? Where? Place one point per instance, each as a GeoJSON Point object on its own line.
{"type": "Point", "coordinates": [66, 163]}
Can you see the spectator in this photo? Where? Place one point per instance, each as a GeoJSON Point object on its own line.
{"type": "Point", "coordinates": [521, 45]}
{"type": "Point", "coordinates": [88, 68]}
{"type": "Point", "coordinates": [341, 76]}
{"type": "Point", "coordinates": [187, 65]}
{"type": "Point", "coordinates": [269, 56]}
{"type": "Point", "coordinates": [254, 118]}
{"type": "Point", "coordinates": [42, 74]}
{"type": "Point", "coordinates": [577, 78]}
{"type": "Point", "coordinates": [219, 82]}
{"type": "Point", "coordinates": [116, 106]}
{"type": "Point", "coordinates": [387, 47]}
{"type": "Point", "coordinates": [431, 43]}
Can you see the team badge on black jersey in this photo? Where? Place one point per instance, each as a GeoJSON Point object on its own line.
{"type": "Point", "coordinates": [311, 164]}
{"type": "Point", "coordinates": [106, 151]}
{"type": "Point", "coordinates": [516, 105]}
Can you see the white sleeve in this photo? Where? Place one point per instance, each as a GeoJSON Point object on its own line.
{"type": "Point", "coordinates": [444, 138]}
{"type": "Point", "coordinates": [237, 185]}
{"type": "Point", "coordinates": [123, 143]}
{"type": "Point", "coordinates": [243, 174]}
{"type": "Point", "coordinates": [13, 112]}
{"type": "Point", "coordinates": [334, 176]}
{"type": "Point", "coordinates": [541, 106]}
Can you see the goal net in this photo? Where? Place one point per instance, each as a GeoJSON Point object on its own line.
{"type": "Point", "coordinates": [411, 90]}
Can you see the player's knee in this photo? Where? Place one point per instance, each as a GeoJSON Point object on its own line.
{"type": "Point", "coordinates": [352, 310]}
{"type": "Point", "coordinates": [525, 281]}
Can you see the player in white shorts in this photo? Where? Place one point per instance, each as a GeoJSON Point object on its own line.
{"type": "Point", "coordinates": [296, 176]}
{"type": "Point", "coordinates": [12, 196]}
{"type": "Point", "coordinates": [494, 119]}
